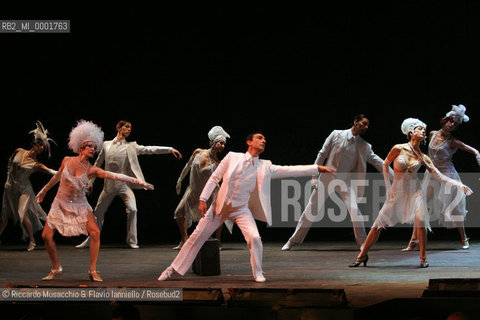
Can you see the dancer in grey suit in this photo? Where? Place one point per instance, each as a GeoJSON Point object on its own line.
{"type": "Point", "coordinates": [347, 153]}
{"type": "Point", "coordinates": [121, 156]}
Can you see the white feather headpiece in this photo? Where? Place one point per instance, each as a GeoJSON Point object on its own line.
{"type": "Point", "coordinates": [216, 134]}
{"type": "Point", "coordinates": [458, 112]}
{"type": "Point", "coordinates": [40, 135]}
{"type": "Point", "coordinates": [409, 125]}
{"type": "Point", "coordinates": [85, 131]}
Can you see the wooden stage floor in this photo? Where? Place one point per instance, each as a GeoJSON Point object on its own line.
{"type": "Point", "coordinates": [390, 274]}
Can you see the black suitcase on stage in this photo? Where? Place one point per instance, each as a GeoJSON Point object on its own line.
{"type": "Point", "coordinates": [207, 262]}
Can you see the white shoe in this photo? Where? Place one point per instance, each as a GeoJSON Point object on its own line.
{"type": "Point", "coordinates": [260, 278]}
{"type": "Point", "coordinates": [133, 245]}
{"type": "Point", "coordinates": [466, 245]}
{"type": "Point", "coordinates": [84, 244]}
{"type": "Point", "coordinates": [166, 274]}
{"type": "Point", "coordinates": [31, 246]}
{"type": "Point", "coordinates": [287, 246]}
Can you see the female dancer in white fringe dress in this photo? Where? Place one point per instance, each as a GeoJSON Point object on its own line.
{"type": "Point", "coordinates": [201, 165]}
{"type": "Point", "coordinates": [70, 213]}
{"type": "Point", "coordinates": [405, 198]}
{"type": "Point", "coordinates": [446, 204]}
{"type": "Point", "coordinates": [18, 197]}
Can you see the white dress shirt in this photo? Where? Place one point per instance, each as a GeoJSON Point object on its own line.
{"type": "Point", "coordinates": [243, 181]}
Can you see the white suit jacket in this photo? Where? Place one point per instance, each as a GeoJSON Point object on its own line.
{"type": "Point", "coordinates": [364, 154]}
{"type": "Point", "coordinates": [132, 165]}
{"type": "Point", "coordinates": [259, 203]}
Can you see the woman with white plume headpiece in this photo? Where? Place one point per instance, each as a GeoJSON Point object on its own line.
{"type": "Point", "coordinates": [405, 197]}
{"type": "Point", "coordinates": [446, 204]}
{"type": "Point", "coordinates": [201, 165]}
{"type": "Point", "coordinates": [18, 196]}
{"type": "Point", "coordinates": [70, 213]}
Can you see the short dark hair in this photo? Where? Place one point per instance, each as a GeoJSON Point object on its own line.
{"type": "Point", "coordinates": [250, 135]}
{"type": "Point", "coordinates": [121, 123]}
{"type": "Point", "coordinates": [359, 117]}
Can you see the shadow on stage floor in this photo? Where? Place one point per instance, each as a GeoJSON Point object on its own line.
{"type": "Point", "coordinates": [308, 282]}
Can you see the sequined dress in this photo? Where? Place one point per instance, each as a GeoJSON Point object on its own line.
{"type": "Point", "coordinates": [188, 205]}
{"type": "Point", "coordinates": [446, 203]}
{"type": "Point", "coordinates": [69, 210]}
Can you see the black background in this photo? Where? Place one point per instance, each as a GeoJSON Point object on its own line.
{"type": "Point", "coordinates": [294, 71]}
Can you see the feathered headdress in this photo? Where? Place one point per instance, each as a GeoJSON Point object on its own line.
{"type": "Point", "coordinates": [40, 135]}
{"type": "Point", "coordinates": [85, 131]}
{"type": "Point", "coordinates": [458, 113]}
{"type": "Point", "coordinates": [216, 134]}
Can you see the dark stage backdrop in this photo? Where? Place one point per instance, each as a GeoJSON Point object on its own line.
{"type": "Point", "coordinates": [294, 71]}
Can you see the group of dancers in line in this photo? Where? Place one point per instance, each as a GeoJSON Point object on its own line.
{"type": "Point", "coordinates": [233, 190]}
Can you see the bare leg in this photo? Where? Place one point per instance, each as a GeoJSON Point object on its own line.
{"type": "Point", "coordinates": [27, 224]}
{"type": "Point", "coordinates": [413, 241]}
{"type": "Point", "coordinates": [463, 235]}
{"type": "Point", "coordinates": [372, 238]}
{"type": "Point", "coordinates": [94, 233]}
{"type": "Point", "coordinates": [47, 236]}
{"type": "Point", "coordinates": [218, 234]}
{"type": "Point", "coordinates": [422, 240]}
{"type": "Point", "coordinates": [182, 227]}
{"type": "Point", "coordinates": [22, 213]}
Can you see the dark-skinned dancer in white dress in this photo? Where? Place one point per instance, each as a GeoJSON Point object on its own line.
{"type": "Point", "coordinates": [18, 196]}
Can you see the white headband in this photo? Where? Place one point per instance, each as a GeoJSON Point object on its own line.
{"type": "Point", "coordinates": [458, 112]}
{"type": "Point", "coordinates": [409, 125]}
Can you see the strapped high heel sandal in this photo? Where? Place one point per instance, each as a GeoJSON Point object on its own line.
{"type": "Point", "coordinates": [94, 276]}
{"type": "Point", "coordinates": [31, 246]}
{"type": "Point", "coordinates": [465, 244]}
{"type": "Point", "coordinates": [54, 273]}
{"type": "Point", "coordinates": [359, 261]}
{"type": "Point", "coordinates": [424, 263]}
{"type": "Point", "coordinates": [411, 246]}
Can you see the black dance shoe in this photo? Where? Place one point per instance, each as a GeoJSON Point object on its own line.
{"type": "Point", "coordinates": [359, 261]}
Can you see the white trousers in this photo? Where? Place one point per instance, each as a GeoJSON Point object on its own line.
{"type": "Point", "coordinates": [315, 203]}
{"type": "Point", "coordinates": [128, 197]}
{"type": "Point", "coordinates": [207, 226]}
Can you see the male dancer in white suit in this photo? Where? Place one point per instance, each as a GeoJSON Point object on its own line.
{"type": "Point", "coordinates": [121, 156]}
{"type": "Point", "coordinates": [244, 196]}
{"type": "Point", "coordinates": [348, 154]}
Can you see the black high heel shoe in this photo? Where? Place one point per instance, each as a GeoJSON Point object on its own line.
{"type": "Point", "coordinates": [423, 263]}
{"type": "Point", "coordinates": [359, 261]}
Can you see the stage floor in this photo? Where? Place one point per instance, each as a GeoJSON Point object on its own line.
{"type": "Point", "coordinates": [320, 265]}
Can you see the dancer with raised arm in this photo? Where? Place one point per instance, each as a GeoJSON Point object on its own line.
{"type": "Point", "coordinates": [442, 200]}
{"type": "Point", "coordinates": [70, 214]}
{"type": "Point", "coordinates": [121, 156]}
{"type": "Point", "coordinates": [244, 196]}
{"type": "Point", "coordinates": [201, 165]}
{"type": "Point", "coordinates": [18, 197]}
{"type": "Point", "coordinates": [348, 154]}
{"type": "Point", "coordinates": [405, 197]}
